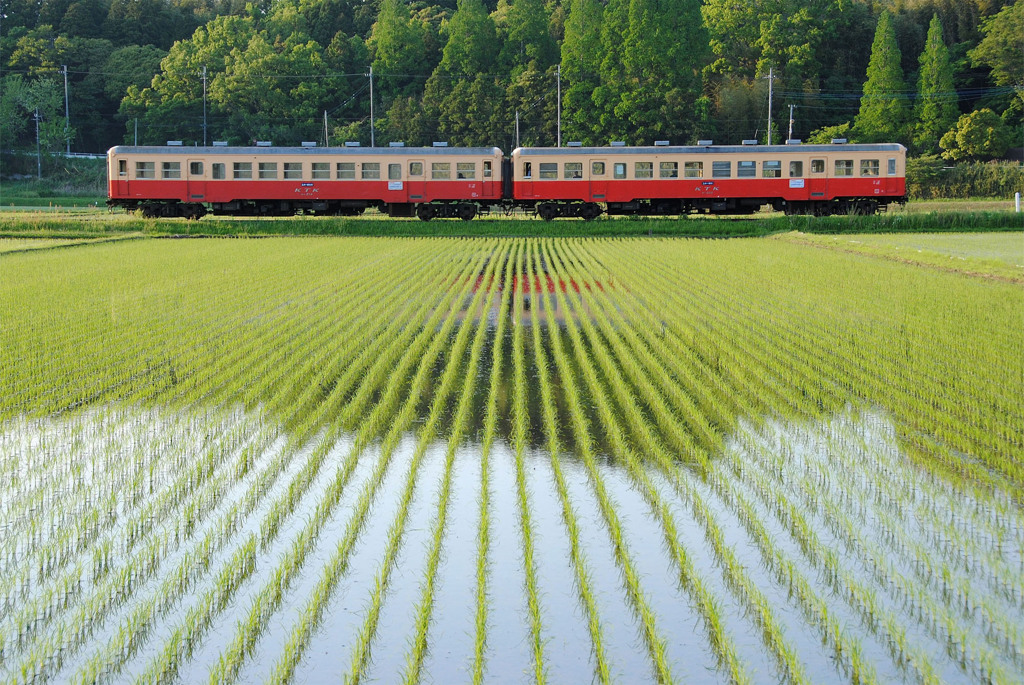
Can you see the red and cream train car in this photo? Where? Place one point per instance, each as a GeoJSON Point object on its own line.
{"type": "Point", "coordinates": [726, 179]}
{"type": "Point", "coordinates": [185, 181]}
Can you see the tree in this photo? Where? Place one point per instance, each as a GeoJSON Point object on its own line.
{"type": "Point", "coordinates": [581, 65]}
{"type": "Point", "coordinates": [1002, 47]}
{"type": "Point", "coordinates": [936, 109]}
{"type": "Point", "coordinates": [397, 46]}
{"type": "Point", "coordinates": [982, 134]}
{"type": "Point", "coordinates": [883, 112]}
{"type": "Point", "coordinates": [526, 40]}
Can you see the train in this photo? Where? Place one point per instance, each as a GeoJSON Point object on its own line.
{"type": "Point", "coordinates": [465, 182]}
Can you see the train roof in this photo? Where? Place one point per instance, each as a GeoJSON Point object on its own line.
{"type": "Point", "coordinates": [294, 151]}
{"type": "Point", "coordinates": [713, 149]}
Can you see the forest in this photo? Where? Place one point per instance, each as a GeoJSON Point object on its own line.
{"type": "Point", "coordinates": [944, 77]}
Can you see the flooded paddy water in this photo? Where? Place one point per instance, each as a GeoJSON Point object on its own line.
{"type": "Point", "coordinates": [566, 461]}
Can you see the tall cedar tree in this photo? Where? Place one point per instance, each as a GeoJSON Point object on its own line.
{"type": "Point", "coordinates": [397, 43]}
{"type": "Point", "coordinates": [526, 39]}
{"type": "Point", "coordinates": [936, 110]}
{"type": "Point", "coordinates": [581, 65]}
{"type": "Point", "coordinates": [651, 75]}
{"type": "Point", "coordinates": [883, 111]}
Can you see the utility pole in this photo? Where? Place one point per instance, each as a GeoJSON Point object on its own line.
{"type": "Point", "coordinates": [558, 75]}
{"type": "Point", "coordinates": [67, 110]}
{"type": "Point", "coordinates": [136, 131]}
{"type": "Point", "coordinates": [789, 136]}
{"type": "Point", "coordinates": [373, 142]}
{"type": "Point", "coordinates": [771, 84]}
{"type": "Point", "coordinates": [39, 156]}
{"type": "Point", "coordinates": [517, 128]}
{"type": "Point", "coordinates": [204, 105]}
{"type": "Point", "coordinates": [327, 138]}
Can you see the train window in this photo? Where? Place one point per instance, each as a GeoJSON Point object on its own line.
{"type": "Point", "coordinates": [242, 170]}
{"type": "Point", "coordinates": [693, 169]}
{"type": "Point", "coordinates": [548, 170]}
{"type": "Point", "coordinates": [721, 169]}
{"type": "Point", "coordinates": [415, 168]}
{"type": "Point", "coordinates": [440, 170]}
{"type": "Point", "coordinates": [171, 170]}
{"type": "Point", "coordinates": [371, 171]}
{"type": "Point", "coordinates": [668, 170]}
{"type": "Point", "coordinates": [892, 166]}
{"type": "Point", "coordinates": [218, 172]}
{"type": "Point", "coordinates": [465, 170]}
{"type": "Point", "coordinates": [869, 167]}
{"type": "Point", "coordinates": [796, 169]}
{"type": "Point", "coordinates": [772, 169]}
{"type": "Point", "coordinates": [643, 169]}
{"type": "Point", "coordinates": [817, 166]}
{"type": "Point", "coordinates": [394, 172]}
{"type": "Point", "coordinates": [195, 168]}
{"type": "Point", "coordinates": [145, 170]}
{"type": "Point", "coordinates": [746, 169]}
{"type": "Point", "coordinates": [321, 170]}
{"type": "Point", "coordinates": [122, 167]}
{"type": "Point", "coordinates": [619, 170]}
{"type": "Point", "coordinates": [573, 170]}
{"type": "Point", "coordinates": [527, 170]}
{"type": "Point", "coordinates": [844, 167]}
{"type": "Point", "coordinates": [597, 168]}
{"type": "Point", "coordinates": [268, 170]}
{"type": "Point", "coordinates": [487, 168]}
{"type": "Point", "coordinates": [293, 170]}
{"type": "Point", "coordinates": [346, 171]}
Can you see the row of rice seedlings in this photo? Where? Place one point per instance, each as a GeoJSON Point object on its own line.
{"type": "Point", "coordinates": [655, 643]}
{"type": "Point", "coordinates": [520, 443]}
{"type": "Point", "coordinates": [445, 388]}
{"type": "Point", "coordinates": [337, 564]}
{"type": "Point", "coordinates": [816, 609]}
{"type": "Point", "coordinates": [266, 602]}
{"type": "Point", "coordinates": [582, 573]}
{"type": "Point", "coordinates": [460, 423]}
{"type": "Point", "coordinates": [490, 427]}
{"type": "Point", "coordinates": [735, 575]}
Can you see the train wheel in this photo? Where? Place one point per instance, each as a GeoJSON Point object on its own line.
{"type": "Point", "coordinates": [467, 212]}
{"type": "Point", "coordinates": [547, 211]}
{"type": "Point", "coordinates": [590, 211]}
{"type": "Point", "coordinates": [425, 212]}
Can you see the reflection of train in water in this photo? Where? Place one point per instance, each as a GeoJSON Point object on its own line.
{"type": "Point", "coordinates": [442, 181]}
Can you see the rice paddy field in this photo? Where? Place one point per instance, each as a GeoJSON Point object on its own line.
{"type": "Point", "coordinates": [510, 460]}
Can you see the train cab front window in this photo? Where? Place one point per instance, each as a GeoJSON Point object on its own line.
{"type": "Point", "coordinates": [218, 172]}
{"type": "Point", "coordinates": [195, 168]}
{"type": "Point", "coordinates": [619, 170]}
{"type": "Point", "coordinates": [817, 166]}
{"type": "Point", "coordinates": [796, 169]}
{"type": "Point", "coordinates": [122, 167]}
{"type": "Point", "coordinates": [145, 170]}
{"type": "Point", "coordinates": [487, 168]}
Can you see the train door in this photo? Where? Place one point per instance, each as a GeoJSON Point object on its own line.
{"type": "Point", "coordinates": [527, 183]}
{"type": "Point", "coordinates": [196, 180]}
{"type": "Point", "coordinates": [817, 180]}
{"type": "Point", "coordinates": [417, 181]}
{"type": "Point", "coordinates": [598, 180]}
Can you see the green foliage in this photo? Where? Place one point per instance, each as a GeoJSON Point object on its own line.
{"type": "Point", "coordinates": [1002, 46]}
{"type": "Point", "coordinates": [522, 27]}
{"type": "Point", "coordinates": [827, 134]}
{"type": "Point", "coordinates": [982, 134]}
{"type": "Point", "coordinates": [883, 111]}
{"type": "Point", "coordinates": [399, 52]}
{"type": "Point", "coordinates": [581, 66]}
{"type": "Point", "coordinates": [936, 109]}
{"type": "Point", "coordinates": [928, 178]}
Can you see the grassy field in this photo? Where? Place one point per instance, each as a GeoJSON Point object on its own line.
{"type": "Point", "coordinates": [510, 460]}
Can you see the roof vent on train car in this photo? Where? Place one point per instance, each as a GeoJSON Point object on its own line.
{"type": "Point", "coordinates": [661, 143]}
{"type": "Point", "coordinates": [440, 143]}
{"type": "Point", "coordinates": [575, 143]}
{"type": "Point", "coordinates": [794, 141]}
{"type": "Point", "coordinates": [308, 143]}
{"type": "Point", "coordinates": [705, 143]}
{"type": "Point", "coordinates": [220, 143]}
{"type": "Point", "coordinates": [839, 141]}
{"type": "Point", "coordinates": [618, 143]}
{"type": "Point", "coordinates": [174, 143]}
{"type": "Point", "coordinates": [264, 143]}
{"type": "Point", "coordinates": [750, 141]}
{"type": "Point", "coordinates": [351, 143]}
{"type": "Point", "coordinates": [394, 144]}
